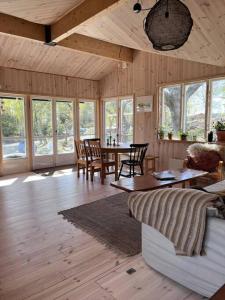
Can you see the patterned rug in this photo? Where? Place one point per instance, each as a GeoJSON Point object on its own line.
{"type": "Point", "coordinates": [108, 221]}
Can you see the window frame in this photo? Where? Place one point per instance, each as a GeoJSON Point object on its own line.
{"type": "Point", "coordinates": [79, 100]}
{"type": "Point", "coordinates": [208, 102]}
{"type": "Point", "coordinates": [118, 101]}
{"type": "Point", "coordinates": [26, 137]}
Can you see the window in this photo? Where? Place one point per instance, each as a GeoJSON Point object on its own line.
{"type": "Point", "coordinates": [13, 127]}
{"type": "Point", "coordinates": [42, 127]}
{"type": "Point", "coordinates": [171, 108]}
{"type": "Point", "coordinates": [111, 119]}
{"type": "Point", "coordinates": [126, 121]}
{"type": "Point", "coordinates": [195, 110]}
{"type": "Point", "coordinates": [183, 109]}
{"type": "Point", "coordinates": [217, 101]}
{"type": "Point", "coordinates": [87, 116]}
{"type": "Point", "coordinates": [118, 119]}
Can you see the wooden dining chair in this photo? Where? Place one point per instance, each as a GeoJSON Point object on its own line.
{"type": "Point", "coordinates": [136, 159]}
{"type": "Point", "coordinates": [98, 161]}
{"type": "Point", "coordinates": [83, 160]}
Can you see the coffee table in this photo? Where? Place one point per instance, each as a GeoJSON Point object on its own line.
{"type": "Point", "coordinates": [149, 182]}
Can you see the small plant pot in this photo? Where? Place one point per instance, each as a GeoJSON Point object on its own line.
{"type": "Point", "coordinates": [170, 136]}
{"type": "Point", "coordinates": [220, 135]}
{"type": "Point", "coordinates": [183, 137]}
{"type": "Point", "coordinates": [161, 136]}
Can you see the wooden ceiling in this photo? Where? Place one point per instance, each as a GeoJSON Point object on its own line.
{"type": "Point", "coordinates": [38, 11]}
{"type": "Point", "coordinates": [25, 54]}
{"type": "Point", "coordinates": [206, 43]}
{"type": "Point", "coordinates": [116, 24]}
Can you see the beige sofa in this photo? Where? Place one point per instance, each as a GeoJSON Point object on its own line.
{"type": "Point", "coordinates": [202, 274]}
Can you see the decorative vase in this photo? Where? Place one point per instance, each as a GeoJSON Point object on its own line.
{"type": "Point", "coordinates": [220, 135]}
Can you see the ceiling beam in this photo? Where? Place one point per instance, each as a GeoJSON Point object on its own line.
{"type": "Point", "coordinates": [85, 11]}
{"type": "Point", "coordinates": [90, 45]}
{"type": "Point", "coordinates": [22, 28]}
{"type": "Point", "coordinates": [16, 26]}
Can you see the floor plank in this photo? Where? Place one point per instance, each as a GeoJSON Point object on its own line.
{"type": "Point", "coordinates": [43, 256]}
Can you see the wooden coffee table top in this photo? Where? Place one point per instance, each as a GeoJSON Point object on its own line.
{"type": "Point", "coordinates": [149, 182]}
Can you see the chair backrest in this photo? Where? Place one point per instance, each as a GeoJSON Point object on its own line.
{"type": "Point", "coordinates": [80, 149]}
{"type": "Point", "coordinates": [138, 151]}
{"type": "Point", "coordinates": [93, 148]}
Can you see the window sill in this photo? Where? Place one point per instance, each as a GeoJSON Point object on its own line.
{"type": "Point", "coordinates": [180, 141]}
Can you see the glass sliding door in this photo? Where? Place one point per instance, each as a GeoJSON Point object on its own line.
{"type": "Point", "coordinates": [42, 127]}
{"type": "Point", "coordinates": [53, 132]}
{"type": "Point", "coordinates": [87, 119]}
{"type": "Point", "coordinates": [14, 142]}
{"type": "Point", "coordinates": [64, 125]}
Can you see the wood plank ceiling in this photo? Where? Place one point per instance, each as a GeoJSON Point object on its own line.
{"type": "Point", "coordinates": [25, 54]}
{"type": "Point", "coordinates": [38, 11]}
{"type": "Point", "coordinates": [206, 43]}
{"type": "Point", "coordinates": [120, 26]}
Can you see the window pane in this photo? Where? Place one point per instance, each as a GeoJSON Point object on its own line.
{"type": "Point", "coordinates": [87, 119]}
{"type": "Point", "coordinates": [127, 121]}
{"type": "Point", "coordinates": [65, 144]}
{"type": "Point", "coordinates": [43, 146]}
{"type": "Point", "coordinates": [195, 108]}
{"type": "Point", "coordinates": [171, 109]}
{"type": "Point", "coordinates": [42, 127]}
{"type": "Point", "coordinates": [110, 119]}
{"type": "Point", "coordinates": [218, 101]}
{"type": "Point", "coordinates": [13, 127]}
{"type": "Point", "coordinates": [64, 121]}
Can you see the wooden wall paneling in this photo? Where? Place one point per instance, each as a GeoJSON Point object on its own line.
{"type": "Point", "coordinates": [43, 84]}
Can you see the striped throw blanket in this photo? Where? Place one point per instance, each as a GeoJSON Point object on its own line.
{"type": "Point", "coordinates": [178, 214]}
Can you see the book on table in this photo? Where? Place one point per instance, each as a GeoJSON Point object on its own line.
{"type": "Point", "coordinates": [164, 175]}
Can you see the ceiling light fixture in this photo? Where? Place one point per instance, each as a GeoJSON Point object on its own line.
{"type": "Point", "coordinates": [168, 24]}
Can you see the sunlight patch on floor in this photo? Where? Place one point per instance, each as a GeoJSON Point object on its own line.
{"type": "Point", "coordinates": [7, 182]}
{"type": "Point", "coordinates": [33, 178]}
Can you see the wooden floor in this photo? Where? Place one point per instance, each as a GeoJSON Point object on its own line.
{"type": "Point", "coordinates": [43, 256]}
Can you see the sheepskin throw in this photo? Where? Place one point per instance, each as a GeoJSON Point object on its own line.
{"type": "Point", "coordinates": [178, 214]}
{"type": "Point", "coordinates": [205, 157]}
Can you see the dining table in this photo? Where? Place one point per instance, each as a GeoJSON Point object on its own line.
{"type": "Point", "coordinates": [116, 150]}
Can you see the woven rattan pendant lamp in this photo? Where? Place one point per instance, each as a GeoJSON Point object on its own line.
{"type": "Point", "coordinates": [168, 24]}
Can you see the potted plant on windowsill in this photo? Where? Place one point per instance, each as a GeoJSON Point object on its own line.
{"type": "Point", "coordinates": [220, 130]}
{"type": "Point", "coordinates": [183, 135]}
{"type": "Point", "coordinates": [170, 135]}
{"type": "Point", "coordinates": [161, 133]}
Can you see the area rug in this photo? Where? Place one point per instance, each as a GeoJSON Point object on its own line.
{"type": "Point", "coordinates": [108, 221]}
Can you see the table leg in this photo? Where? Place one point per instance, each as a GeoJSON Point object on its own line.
{"type": "Point", "coordinates": [183, 184]}
{"type": "Point", "coordinates": [116, 166]}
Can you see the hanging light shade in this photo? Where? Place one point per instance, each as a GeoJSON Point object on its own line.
{"type": "Point", "coordinates": [168, 24]}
